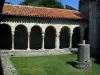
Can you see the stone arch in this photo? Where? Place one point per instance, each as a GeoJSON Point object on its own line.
{"type": "Point", "coordinates": [86, 35]}
{"type": "Point", "coordinates": [76, 37]}
{"type": "Point", "coordinates": [64, 37]}
{"type": "Point", "coordinates": [5, 37]}
{"type": "Point", "coordinates": [30, 28]}
{"type": "Point", "coordinates": [21, 37]}
{"type": "Point", "coordinates": [49, 40]}
{"type": "Point", "coordinates": [36, 37]}
{"type": "Point", "coordinates": [50, 26]}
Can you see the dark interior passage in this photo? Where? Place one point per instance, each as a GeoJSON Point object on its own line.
{"type": "Point", "coordinates": [36, 38]}
{"type": "Point", "coordinates": [21, 37]}
{"type": "Point", "coordinates": [64, 37]}
{"type": "Point", "coordinates": [86, 35]}
{"type": "Point", "coordinates": [5, 37]}
{"type": "Point", "coordinates": [49, 40]}
{"type": "Point", "coordinates": [76, 37]}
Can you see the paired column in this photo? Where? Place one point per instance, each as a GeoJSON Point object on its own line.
{"type": "Point", "coordinates": [71, 34]}
{"type": "Point", "coordinates": [28, 41]}
{"type": "Point", "coordinates": [43, 35]}
{"type": "Point", "coordinates": [57, 42]}
{"type": "Point", "coordinates": [13, 32]}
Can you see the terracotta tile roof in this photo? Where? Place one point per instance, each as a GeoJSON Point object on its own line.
{"type": "Point", "coordinates": [21, 10]}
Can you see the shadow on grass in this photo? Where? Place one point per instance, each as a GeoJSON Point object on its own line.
{"type": "Point", "coordinates": [73, 64]}
{"type": "Point", "coordinates": [97, 59]}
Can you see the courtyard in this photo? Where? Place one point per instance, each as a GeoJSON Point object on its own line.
{"type": "Point", "coordinates": [52, 65]}
{"type": "Point", "coordinates": [43, 39]}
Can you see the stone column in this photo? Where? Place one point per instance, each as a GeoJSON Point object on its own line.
{"type": "Point", "coordinates": [13, 32]}
{"type": "Point", "coordinates": [71, 34]}
{"type": "Point", "coordinates": [28, 41]}
{"type": "Point", "coordinates": [83, 56]}
{"type": "Point", "coordinates": [57, 42]}
{"type": "Point", "coordinates": [43, 35]}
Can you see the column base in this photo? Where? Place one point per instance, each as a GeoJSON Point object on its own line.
{"type": "Point", "coordinates": [28, 49]}
{"type": "Point", "coordinates": [12, 49]}
{"type": "Point", "coordinates": [56, 48]}
{"type": "Point", "coordinates": [83, 65]}
{"type": "Point", "coordinates": [42, 49]}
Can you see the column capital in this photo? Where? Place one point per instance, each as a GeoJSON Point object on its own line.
{"type": "Point", "coordinates": [29, 30]}
{"type": "Point", "coordinates": [13, 32]}
{"type": "Point", "coordinates": [43, 34]}
{"type": "Point", "coordinates": [28, 33]}
{"type": "Point", "coordinates": [58, 34]}
{"type": "Point", "coordinates": [71, 34]}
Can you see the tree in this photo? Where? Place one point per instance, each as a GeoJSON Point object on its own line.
{"type": "Point", "coordinates": [44, 3]}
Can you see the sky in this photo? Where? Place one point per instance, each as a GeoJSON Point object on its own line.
{"type": "Point", "coordinates": [73, 3]}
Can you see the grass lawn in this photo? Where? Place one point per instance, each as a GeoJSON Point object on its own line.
{"type": "Point", "coordinates": [51, 65]}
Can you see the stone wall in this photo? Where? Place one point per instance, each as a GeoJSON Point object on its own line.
{"type": "Point", "coordinates": [94, 26]}
{"type": "Point", "coordinates": [84, 7]}
{"type": "Point", "coordinates": [98, 25]}
{"type": "Point", "coordinates": [92, 9]}
{"type": "Point", "coordinates": [7, 66]}
{"type": "Point", "coordinates": [38, 52]}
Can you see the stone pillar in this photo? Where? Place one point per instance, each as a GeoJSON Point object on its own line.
{"type": "Point", "coordinates": [57, 42]}
{"type": "Point", "coordinates": [83, 56]}
{"type": "Point", "coordinates": [71, 34]}
{"type": "Point", "coordinates": [93, 27]}
{"type": "Point", "coordinates": [13, 32]}
{"type": "Point", "coordinates": [43, 35]}
{"type": "Point", "coordinates": [28, 41]}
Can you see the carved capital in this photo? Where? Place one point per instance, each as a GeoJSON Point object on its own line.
{"type": "Point", "coordinates": [57, 34]}
{"type": "Point", "coordinates": [43, 34]}
{"type": "Point", "coordinates": [13, 32]}
{"type": "Point", "coordinates": [28, 33]}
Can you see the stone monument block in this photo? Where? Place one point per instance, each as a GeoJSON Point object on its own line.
{"type": "Point", "coordinates": [83, 56]}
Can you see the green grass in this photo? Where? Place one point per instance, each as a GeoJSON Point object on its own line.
{"type": "Point", "coordinates": [51, 65]}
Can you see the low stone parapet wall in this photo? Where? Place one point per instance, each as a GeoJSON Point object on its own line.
{"type": "Point", "coordinates": [38, 52]}
{"type": "Point", "coordinates": [7, 66]}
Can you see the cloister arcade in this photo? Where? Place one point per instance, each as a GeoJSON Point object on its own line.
{"type": "Point", "coordinates": [29, 36]}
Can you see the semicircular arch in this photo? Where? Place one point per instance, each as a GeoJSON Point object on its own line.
{"type": "Point", "coordinates": [64, 37]}
{"type": "Point", "coordinates": [21, 37]}
{"type": "Point", "coordinates": [5, 36]}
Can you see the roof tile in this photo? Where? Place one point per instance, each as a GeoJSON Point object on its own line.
{"type": "Point", "coordinates": [21, 10]}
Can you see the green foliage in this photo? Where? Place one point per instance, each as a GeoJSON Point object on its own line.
{"type": "Point", "coordinates": [44, 3]}
{"type": "Point", "coordinates": [51, 65]}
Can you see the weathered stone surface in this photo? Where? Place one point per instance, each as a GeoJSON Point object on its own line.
{"type": "Point", "coordinates": [8, 68]}
{"type": "Point", "coordinates": [37, 52]}
{"type": "Point", "coordinates": [83, 56]}
{"type": "Point", "coordinates": [91, 8]}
